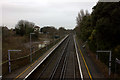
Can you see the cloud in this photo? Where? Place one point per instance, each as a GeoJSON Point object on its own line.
{"type": "Point", "coordinates": [44, 13]}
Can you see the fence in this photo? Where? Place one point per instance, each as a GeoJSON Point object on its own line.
{"type": "Point", "coordinates": [22, 61]}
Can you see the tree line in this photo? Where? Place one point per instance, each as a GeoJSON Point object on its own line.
{"type": "Point", "coordinates": [101, 28]}
{"type": "Point", "coordinates": [24, 28]}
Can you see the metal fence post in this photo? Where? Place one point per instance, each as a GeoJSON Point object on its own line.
{"type": "Point", "coordinates": [30, 50]}
{"type": "Point", "coordinates": [9, 62]}
{"type": "Point", "coordinates": [110, 63]}
{"type": "Point", "coordinates": [115, 68]}
{"type": "Point", "coordinates": [110, 55]}
{"type": "Point", "coordinates": [9, 59]}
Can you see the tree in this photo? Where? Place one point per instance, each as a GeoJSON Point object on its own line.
{"type": "Point", "coordinates": [24, 27]}
{"type": "Point", "coordinates": [62, 31]}
{"type": "Point", "coordinates": [5, 33]}
{"type": "Point", "coordinates": [84, 25]}
{"type": "Point", "coordinates": [106, 21]}
{"type": "Point", "coordinates": [49, 30]}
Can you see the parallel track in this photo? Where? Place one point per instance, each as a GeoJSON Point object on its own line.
{"type": "Point", "coordinates": [61, 65]}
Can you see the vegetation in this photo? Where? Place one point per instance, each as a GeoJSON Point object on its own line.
{"type": "Point", "coordinates": [52, 31]}
{"type": "Point", "coordinates": [62, 31]}
{"type": "Point", "coordinates": [24, 27]}
{"type": "Point", "coordinates": [49, 30]}
{"type": "Point", "coordinates": [84, 22]}
{"type": "Point", "coordinates": [101, 29]}
{"type": "Point", "coordinates": [19, 38]}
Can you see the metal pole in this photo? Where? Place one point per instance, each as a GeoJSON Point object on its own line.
{"type": "Point", "coordinates": [30, 50]}
{"type": "Point", "coordinates": [115, 69]}
{"type": "Point", "coordinates": [97, 56]}
{"type": "Point", "coordinates": [30, 47]}
{"type": "Point", "coordinates": [9, 62]}
{"type": "Point", "coordinates": [9, 59]}
{"type": "Point", "coordinates": [46, 41]}
{"type": "Point", "coordinates": [110, 64]}
{"type": "Point", "coordinates": [110, 55]}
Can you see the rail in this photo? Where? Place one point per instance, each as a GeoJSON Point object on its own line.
{"type": "Point", "coordinates": [78, 59]}
{"type": "Point", "coordinates": [44, 58]}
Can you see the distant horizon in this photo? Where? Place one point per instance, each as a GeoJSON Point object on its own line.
{"type": "Point", "coordinates": [39, 26]}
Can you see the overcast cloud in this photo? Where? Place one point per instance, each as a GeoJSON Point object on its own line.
{"type": "Point", "coordinates": [44, 13]}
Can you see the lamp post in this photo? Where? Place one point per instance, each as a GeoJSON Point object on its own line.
{"type": "Point", "coordinates": [47, 40]}
{"type": "Point", "coordinates": [110, 54]}
{"type": "Point", "coordinates": [30, 47]}
{"type": "Point", "coordinates": [9, 59]}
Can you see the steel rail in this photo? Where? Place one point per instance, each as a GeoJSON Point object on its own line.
{"type": "Point", "coordinates": [55, 68]}
{"type": "Point", "coordinates": [47, 66]}
{"type": "Point", "coordinates": [80, 70]}
{"type": "Point", "coordinates": [64, 67]}
{"type": "Point", "coordinates": [45, 58]}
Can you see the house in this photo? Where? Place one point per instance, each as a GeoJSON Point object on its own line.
{"type": "Point", "coordinates": [37, 28]}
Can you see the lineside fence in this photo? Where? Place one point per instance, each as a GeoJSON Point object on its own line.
{"type": "Point", "coordinates": [25, 60]}
{"type": "Point", "coordinates": [104, 58]}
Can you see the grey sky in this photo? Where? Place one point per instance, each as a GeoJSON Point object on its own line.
{"type": "Point", "coordinates": [43, 13]}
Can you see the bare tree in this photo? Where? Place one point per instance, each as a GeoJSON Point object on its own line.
{"type": "Point", "coordinates": [80, 16]}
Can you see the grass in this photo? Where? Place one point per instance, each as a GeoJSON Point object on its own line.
{"type": "Point", "coordinates": [12, 43]}
{"type": "Point", "coordinates": [17, 42]}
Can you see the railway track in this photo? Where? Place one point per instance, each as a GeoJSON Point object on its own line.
{"type": "Point", "coordinates": [62, 64]}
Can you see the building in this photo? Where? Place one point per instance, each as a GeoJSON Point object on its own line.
{"type": "Point", "coordinates": [37, 28]}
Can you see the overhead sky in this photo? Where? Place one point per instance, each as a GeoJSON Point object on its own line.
{"type": "Point", "coordinates": [57, 13]}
